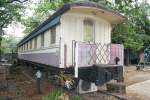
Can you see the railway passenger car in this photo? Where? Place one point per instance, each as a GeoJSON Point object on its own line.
{"type": "Point", "coordinates": [78, 35]}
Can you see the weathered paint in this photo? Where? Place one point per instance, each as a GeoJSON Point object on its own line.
{"type": "Point", "coordinates": [72, 29]}
{"type": "Point", "coordinates": [50, 59]}
{"type": "Point", "coordinates": [47, 56]}
{"type": "Point", "coordinates": [97, 53]}
{"type": "Point", "coordinates": [117, 50]}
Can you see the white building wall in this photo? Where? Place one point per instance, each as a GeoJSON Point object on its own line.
{"type": "Point", "coordinates": [72, 29]}
{"type": "Point", "coordinates": [51, 51]}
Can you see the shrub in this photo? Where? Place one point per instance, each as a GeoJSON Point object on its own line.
{"type": "Point", "coordinates": [57, 95]}
{"type": "Point", "coordinates": [76, 97]}
{"type": "Point", "coordinates": [65, 80]}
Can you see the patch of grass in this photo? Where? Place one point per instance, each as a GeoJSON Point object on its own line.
{"type": "Point", "coordinates": [60, 95]}
{"type": "Point", "coordinates": [56, 95]}
{"type": "Point", "coordinates": [76, 97]}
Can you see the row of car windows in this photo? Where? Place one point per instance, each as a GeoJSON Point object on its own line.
{"type": "Point", "coordinates": [32, 44]}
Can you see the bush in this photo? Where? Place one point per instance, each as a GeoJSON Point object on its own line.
{"type": "Point", "coordinates": [60, 95]}
{"type": "Point", "coordinates": [65, 80]}
{"type": "Point", "coordinates": [57, 95]}
{"type": "Point", "coordinates": [76, 97]}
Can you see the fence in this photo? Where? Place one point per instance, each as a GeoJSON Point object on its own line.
{"type": "Point", "coordinates": [98, 53]}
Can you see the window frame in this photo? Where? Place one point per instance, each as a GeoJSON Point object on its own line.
{"type": "Point", "coordinates": [88, 23]}
{"type": "Point", "coordinates": [30, 44]}
{"type": "Point", "coordinates": [53, 33]}
{"type": "Point", "coordinates": [35, 42]}
{"type": "Point", "coordinates": [42, 40]}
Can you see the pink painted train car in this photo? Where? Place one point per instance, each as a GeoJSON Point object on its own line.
{"type": "Point", "coordinates": [78, 35]}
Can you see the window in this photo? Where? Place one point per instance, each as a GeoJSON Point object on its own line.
{"type": "Point", "coordinates": [42, 40]}
{"type": "Point", "coordinates": [27, 46]}
{"type": "Point", "coordinates": [53, 35]}
{"type": "Point", "coordinates": [35, 42]}
{"type": "Point", "coordinates": [88, 30]}
{"type": "Point", "coordinates": [22, 48]}
{"type": "Point", "coordinates": [30, 44]}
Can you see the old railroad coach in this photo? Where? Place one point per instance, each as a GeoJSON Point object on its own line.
{"type": "Point", "coordinates": [78, 35]}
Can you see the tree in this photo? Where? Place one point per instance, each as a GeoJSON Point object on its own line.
{"type": "Point", "coordinates": [9, 43]}
{"type": "Point", "coordinates": [134, 33]}
{"type": "Point", "coordinates": [9, 11]}
{"type": "Point", "coordinates": [44, 10]}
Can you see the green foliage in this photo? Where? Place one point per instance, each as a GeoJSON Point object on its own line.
{"type": "Point", "coordinates": [63, 78]}
{"type": "Point", "coordinates": [60, 95]}
{"type": "Point", "coordinates": [42, 12]}
{"type": "Point", "coordinates": [134, 33]}
{"type": "Point", "coordinates": [9, 11]}
{"type": "Point", "coordinates": [9, 43]}
{"type": "Point", "coordinates": [55, 95]}
{"type": "Point", "coordinates": [76, 97]}
{"type": "Point", "coordinates": [126, 35]}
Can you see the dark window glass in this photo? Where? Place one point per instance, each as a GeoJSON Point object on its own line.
{"type": "Point", "coordinates": [35, 42]}
{"type": "Point", "coordinates": [31, 44]}
{"type": "Point", "coordinates": [88, 30]}
{"type": "Point", "coordinates": [53, 35]}
{"type": "Point", "coordinates": [42, 40]}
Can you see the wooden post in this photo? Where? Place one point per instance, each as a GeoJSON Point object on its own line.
{"type": "Point", "coordinates": [38, 75]}
{"type": "Point", "coordinates": [38, 85]}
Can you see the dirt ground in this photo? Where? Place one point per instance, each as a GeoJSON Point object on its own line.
{"type": "Point", "coordinates": [132, 76]}
{"type": "Point", "coordinates": [138, 83]}
{"type": "Point", "coordinates": [22, 87]}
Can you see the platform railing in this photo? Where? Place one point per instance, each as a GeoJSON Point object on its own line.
{"type": "Point", "coordinates": [88, 53]}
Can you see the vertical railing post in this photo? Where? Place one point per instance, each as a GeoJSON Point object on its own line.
{"type": "Point", "coordinates": [73, 53]}
{"type": "Point", "coordinates": [76, 60]}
